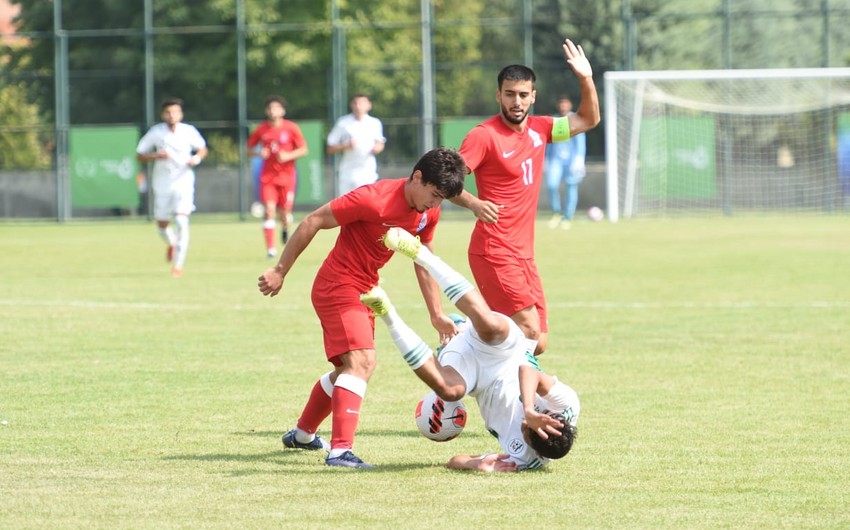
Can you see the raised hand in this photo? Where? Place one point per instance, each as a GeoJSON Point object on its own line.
{"type": "Point", "coordinates": [576, 59]}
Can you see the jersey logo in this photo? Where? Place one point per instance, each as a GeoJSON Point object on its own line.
{"type": "Point", "coordinates": [515, 446]}
{"type": "Point", "coordinates": [507, 154]}
{"type": "Point", "coordinates": [422, 222]}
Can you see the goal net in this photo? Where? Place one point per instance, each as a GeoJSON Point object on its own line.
{"type": "Point", "coordinates": [727, 142]}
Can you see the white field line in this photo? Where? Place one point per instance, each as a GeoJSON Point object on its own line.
{"type": "Point", "coordinates": [90, 304]}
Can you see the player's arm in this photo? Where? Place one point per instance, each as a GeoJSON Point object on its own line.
{"type": "Point", "coordinates": [529, 382]}
{"type": "Point", "coordinates": [486, 463]}
{"type": "Point", "coordinates": [486, 211]}
{"type": "Point", "coordinates": [199, 156]}
{"type": "Point", "coordinates": [431, 294]}
{"type": "Point", "coordinates": [320, 219]}
{"type": "Point", "coordinates": [298, 152]}
{"type": "Point", "coordinates": [587, 115]}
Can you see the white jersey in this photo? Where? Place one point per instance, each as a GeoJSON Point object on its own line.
{"type": "Point", "coordinates": [491, 373]}
{"type": "Point", "coordinates": [357, 166]}
{"type": "Point", "coordinates": [173, 173]}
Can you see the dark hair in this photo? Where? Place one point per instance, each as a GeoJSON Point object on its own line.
{"type": "Point", "coordinates": [276, 99]}
{"type": "Point", "coordinates": [444, 168]}
{"type": "Point", "coordinates": [554, 447]}
{"type": "Point", "coordinates": [171, 102]}
{"type": "Point", "coordinates": [516, 72]}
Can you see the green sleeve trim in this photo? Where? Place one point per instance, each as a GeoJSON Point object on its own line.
{"type": "Point", "coordinates": [561, 129]}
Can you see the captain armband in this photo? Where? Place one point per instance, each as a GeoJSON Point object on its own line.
{"type": "Point", "coordinates": [561, 129]}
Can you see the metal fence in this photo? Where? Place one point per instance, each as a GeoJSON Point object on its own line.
{"type": "Point", "coordinates": [524, 31]}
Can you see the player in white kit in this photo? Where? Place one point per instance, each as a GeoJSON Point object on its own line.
{"type": "Point", "coordinates": [532, 414]}
{"type": "Point", "coordinates": [175, 148]}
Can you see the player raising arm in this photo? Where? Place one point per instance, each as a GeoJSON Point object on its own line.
{"type": "Point", "coordinates": [507, 154]}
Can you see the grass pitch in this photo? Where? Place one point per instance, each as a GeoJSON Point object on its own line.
{"type": "Point", "coordinates": [712, 358]}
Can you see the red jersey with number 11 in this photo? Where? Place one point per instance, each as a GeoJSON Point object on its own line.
{"type": "Point", "coordinates": [508, 167]}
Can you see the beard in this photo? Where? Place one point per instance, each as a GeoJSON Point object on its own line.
{"type": "Point", "coordinates": [510, 117]}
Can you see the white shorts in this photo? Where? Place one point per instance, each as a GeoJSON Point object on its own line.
{"type": "Point", "coordinates": [175, 202]}
{"type": "Point", "coordinates": [481, 364]}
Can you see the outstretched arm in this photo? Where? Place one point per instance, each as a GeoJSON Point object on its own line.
{"type": "Point", "coordinates": [587, 115]}
{"type": "Point", "coordinates": [486, 463]}
{"type": "Point", "coordinates": [322, 218]}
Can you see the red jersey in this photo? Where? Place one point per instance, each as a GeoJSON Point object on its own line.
{"type": "Point", "coordinates": [365, 215]}
{"type": "Point", "coordinates": [508, 167]}
{"type": "Point", "coordinates": [285, 137]}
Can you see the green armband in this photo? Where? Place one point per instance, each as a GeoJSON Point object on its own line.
{"type": "Point", "coordinates": [561, 129]}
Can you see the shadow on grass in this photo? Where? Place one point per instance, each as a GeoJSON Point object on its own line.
{"type": "Point", "coordinates": [372, 433]}
{"type": "Point", "coordinates": [300, 461]}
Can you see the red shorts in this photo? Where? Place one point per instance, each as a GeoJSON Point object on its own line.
{"type": "Point", "coordinates": [509, 284]}
{"type": "Point", "coordinates": [347, 324]}
{"type": "Point", "coordinates": [281, 194]}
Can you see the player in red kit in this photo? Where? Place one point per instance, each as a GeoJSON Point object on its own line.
{"type": "Point", "coordinates": [281, 144]}
{"type": "Point", "coordinates": [350, 269]}
{"type": "Point", "coordinates": [507, 154]}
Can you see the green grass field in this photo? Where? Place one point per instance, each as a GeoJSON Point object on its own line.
{"type": "Point", "coordinates": [712, 358]}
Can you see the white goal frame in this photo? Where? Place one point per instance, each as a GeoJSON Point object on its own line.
{"type": "Point", "coordinates": [616, 184]}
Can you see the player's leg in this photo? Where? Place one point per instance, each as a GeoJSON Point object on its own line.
{"type": "Point", "coordinates": [269, 198]}
{"type": "Point", "coordinates": [445, 381]}
{"type": "Point", "coordinates": [458, 289]}
{"type": "Point", "coordinates": [285, 209]}
{"type": "Point", "coordinates": [184, 205]}
{"type": "Point", "coordinates": [348, 333]}
{"type": "Point", "coordinates": [162, 212]}
{"type": "Point", "coordinates": [317, 408]}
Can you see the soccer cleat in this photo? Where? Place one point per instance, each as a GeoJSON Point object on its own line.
{"type": "Point", "coordinates": [284, 236]}
{"type": "Point", "coordinates": [169, 253]}
{"type": "Point", "coordinates": [566, 224]}
{"type": "Point", "coordinates": [400, 240]}
{"type": "Point", "coordinates": [347, 459]}
{"type": "Point", "coordinates": [377, 300]}
{"type": "Point", "coordinates": [555, 220]}
{"type": "Point", "coordinates": [176, 272]}
{"type": "Point", "coordinates": [272, 252]}
{"type": "Point", "coordinates": [289, 440]}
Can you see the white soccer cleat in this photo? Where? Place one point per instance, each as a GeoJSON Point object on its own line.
{"type": "Point", "coordinates": [377, 300]}
{"type": "Point", "coordinates": [400, 240]}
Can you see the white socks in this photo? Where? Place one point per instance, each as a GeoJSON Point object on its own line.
{"type": "Point", "coordinates": [412, 348]}
{"type": "Point", "coordinates": [182, 222]}
{"type": "Point", "coordinates": [451, 282]}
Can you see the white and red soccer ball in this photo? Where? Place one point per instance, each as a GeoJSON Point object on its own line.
{"type": "Point", "coordinates": [595, 214]}
{"type": "Point", "coordinates": [440, 420]}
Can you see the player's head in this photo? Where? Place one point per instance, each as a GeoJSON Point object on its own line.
{"type": "Point", "coordinates": [275, 107]}
{"type": "Point", "coordinates": [554, 447]}
{"type": "Point", "coordinates": [516, 72]}
{"type": "Point", "coordinates": [516, 92]}
{"type": "Point", "coordinates": [438, 175]}
{"type": "Point", "coordinates": [171, 111]}
{"type": "Point", "coordinates": [360, 105]}
{"type": "Point", "coordinates": [564, 105]}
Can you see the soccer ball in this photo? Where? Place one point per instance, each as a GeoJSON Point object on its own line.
{"type": "Point", "coordinates": [440, 420]}
{"type": "Point", "coordinates": [258, 210]}
{"type": "Point", "coordinates": [595, 214]}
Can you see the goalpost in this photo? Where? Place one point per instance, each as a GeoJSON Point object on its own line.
{"type": "Point", "coordinates": [727, 142]}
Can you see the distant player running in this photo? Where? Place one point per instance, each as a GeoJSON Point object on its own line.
{"type": "Point", "coordinates": [532, 414]}
{"type": "Point", "coordinates": [350, 269]}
